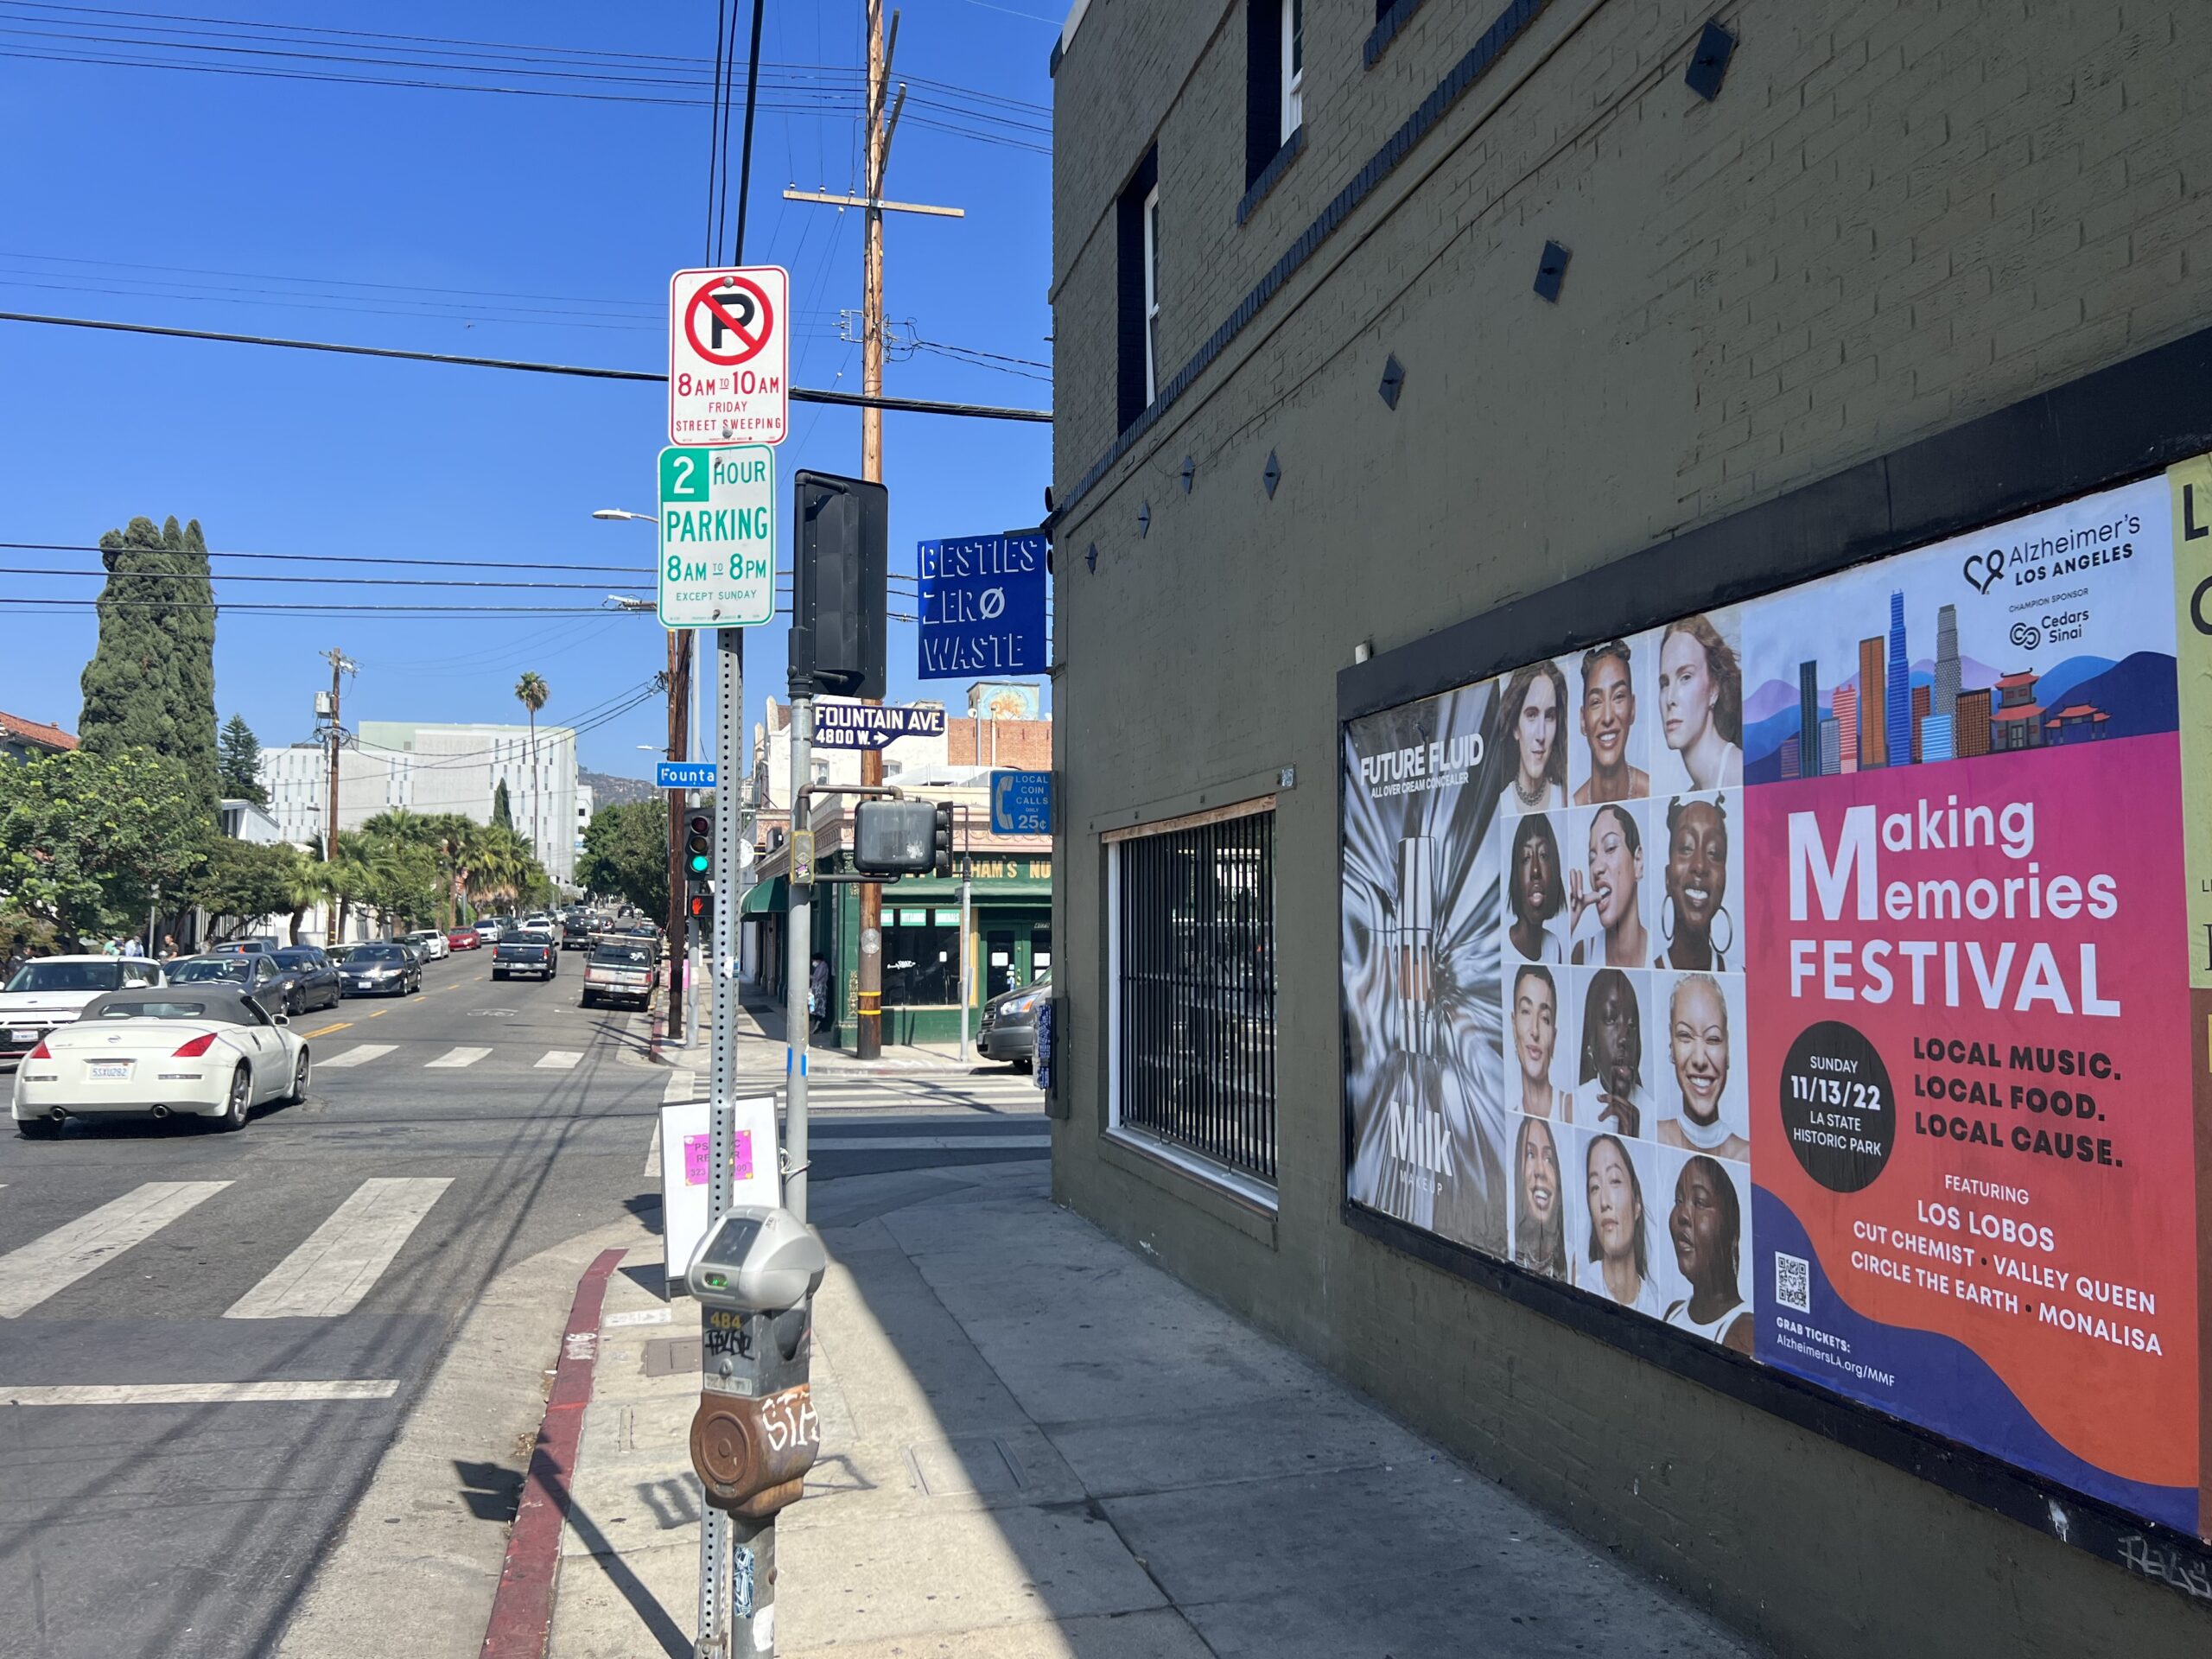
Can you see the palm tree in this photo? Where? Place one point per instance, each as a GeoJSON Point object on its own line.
{"type": "Point", "coordinates": [533, 691]}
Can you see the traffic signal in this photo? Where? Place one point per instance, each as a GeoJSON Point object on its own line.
{"type": "Point", "coordinates": [699, 845]}
{"type": "Point", "coordinates": [700, 907]}
{"type": "Point", "coordinates": [839, 572]}
{"type": "Point", "coordinates": [942, 841]}
{"type": "Point", "coordinates": [894, 838]}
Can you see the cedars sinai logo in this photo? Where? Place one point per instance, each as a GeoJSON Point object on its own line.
{"type": "Point", "coordinates": [2026, 635]}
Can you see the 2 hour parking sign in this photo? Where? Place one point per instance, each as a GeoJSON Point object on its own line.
{"type": "Point", "coordinates": [717, 536]}
{"type": "Point", "coordinates": [728, 355]}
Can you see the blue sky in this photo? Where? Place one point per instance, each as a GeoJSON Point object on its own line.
{"type": "Point", "coordinates": [540, 227]}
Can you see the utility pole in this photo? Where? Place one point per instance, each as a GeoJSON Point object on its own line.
{"type": "Point", "coordinates": [881, 128]}
{"type": "Point", "coordinates": [339, 664]}
{"type": "Point", "coordinates": [679, 674]}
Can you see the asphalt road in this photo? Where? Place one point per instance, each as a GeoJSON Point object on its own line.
{"type": "Point", "coordinates": [325, 1255]}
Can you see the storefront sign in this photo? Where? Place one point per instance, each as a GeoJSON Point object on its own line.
{"type": "Point", "coordinates": [1827, 977]}
{"type": "Point", "coordinates": [982, 600]}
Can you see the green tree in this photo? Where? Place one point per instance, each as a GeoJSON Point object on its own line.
{"type": "Point", "coordinates": [245, 881]}
{"type": "Point", "coordinates": [626, 853]}
{"type": "Point", "coordinates": [151, 682]}
{"type": "Point", "coordinates": [238, 764]}
{"type": "Point", "coordinates": [503, 811]}
{"type": "Point", "coordinates": [532, 692]}
{"type": "Point", "coordinates": [88, 840]}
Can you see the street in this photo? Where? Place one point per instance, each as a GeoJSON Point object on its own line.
{"type": "Point", "coordinates": [148, 1504]}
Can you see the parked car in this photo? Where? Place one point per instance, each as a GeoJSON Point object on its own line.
{"type": "Point", "coordinates": [464, 939]}
{"type": "Point", "coordinates": [619, 970]}
{"type": "Point", "coordinates": [262, 945]}
{"type": "Point", "coordinates": [314, 978]}
{"type": "Point", "coordinates": [489, 929]}
{"type": "Point", "coordinates": [255, 972]}
{"type": "Point", "coordinates": [206, 1050]}
{"type": "Point", "coordinates": [1009, 1028]}
{"type": "Point", "coordinates": [380, 970]}
{"type": "Point", "coordinates": [526, 952]}
{"type": "Point", "coordinates": [433, 942]}
{"type": "Point", "coordinates": [416, 951]}
{"type": "Point", "coordinates": [53, 990]}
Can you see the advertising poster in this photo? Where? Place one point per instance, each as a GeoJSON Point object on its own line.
{"type": "Point", "coordinates": [1815, 976]}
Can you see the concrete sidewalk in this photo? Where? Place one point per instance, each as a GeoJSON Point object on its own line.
{"type": "Point", "coordinates": [760, 1019]}
{"type": "Point", "coordinates": [1035, 1443]}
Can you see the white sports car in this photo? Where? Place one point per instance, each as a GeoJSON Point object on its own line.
{"type": "Point", "coordinates": [189, 1050]}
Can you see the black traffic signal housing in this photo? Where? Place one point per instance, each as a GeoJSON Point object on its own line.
{"type": "Point", "coordinates": [941, 842]}
{"type": "Point", "coordinates": [894, 838]}
{"type": "Point", "coordinates": [699, 866]}
{"type": "Point", "coordinates": [840, 570]}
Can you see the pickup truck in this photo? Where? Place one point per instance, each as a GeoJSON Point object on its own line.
{"type": "Point", "coordinates": [525, 953]}
{"type": "Point", "coordinates": [619, 970]}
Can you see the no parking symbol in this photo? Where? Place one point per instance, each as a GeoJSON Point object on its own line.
{"type": "Point", "coordinates": [728, 356]}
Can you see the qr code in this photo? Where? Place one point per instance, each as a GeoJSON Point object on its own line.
{"type": "Point", "coordinates": [1793, 1282]}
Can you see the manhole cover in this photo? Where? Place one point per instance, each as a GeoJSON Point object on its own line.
{"type": "Point", "coordinates": [666, 1356]}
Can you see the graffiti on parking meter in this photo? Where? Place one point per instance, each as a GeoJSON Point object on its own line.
{"type": "Point", "coordinates": [1826, 977]}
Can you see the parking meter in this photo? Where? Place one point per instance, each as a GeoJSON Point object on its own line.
{"type": "Point", "coordinates": [755, 1434]}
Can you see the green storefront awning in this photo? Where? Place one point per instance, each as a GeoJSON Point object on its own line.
{"type": "Point", "coordinates": [766, 899]}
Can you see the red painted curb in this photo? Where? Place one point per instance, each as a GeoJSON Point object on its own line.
{"type": "Point", "coordinates": [522, 1610]}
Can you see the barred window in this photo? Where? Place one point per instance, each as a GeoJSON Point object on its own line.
{"type": "Point", "coordinates": [1194, 976]}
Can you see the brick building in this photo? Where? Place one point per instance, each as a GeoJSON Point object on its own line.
{"type": "Point", "coordinates": [1439, 335]}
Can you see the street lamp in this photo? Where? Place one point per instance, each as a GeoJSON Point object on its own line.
{"type": "Point", "coordinates": [679, 651]}
{"type": "Point", "coordinates": [628, 602]}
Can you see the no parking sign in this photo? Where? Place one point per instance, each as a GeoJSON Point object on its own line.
{"type": "Point", "coordinates": [729, 355]}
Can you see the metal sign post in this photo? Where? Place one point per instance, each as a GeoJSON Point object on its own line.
{"type": "Point", "coordinates": [799, 1025]}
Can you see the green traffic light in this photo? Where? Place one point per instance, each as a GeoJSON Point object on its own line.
{"type": "Point", "coordinates": [699, 863]}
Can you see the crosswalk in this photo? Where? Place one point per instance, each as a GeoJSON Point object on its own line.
{"type": "Point", "coordinates": [326, 1275]}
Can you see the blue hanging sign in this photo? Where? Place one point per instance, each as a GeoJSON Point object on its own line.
{"type": "Point", "coordinates": [982, 607]}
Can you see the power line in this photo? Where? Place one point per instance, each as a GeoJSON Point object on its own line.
{"type": "Point", "coordinates": [340, 582]}
{"type": "Point", "coordinates": [798, 394]}
{"type": "Point", "coordinates": [272, 608]}
{"type": "Point", "coordinates": [336, 558]}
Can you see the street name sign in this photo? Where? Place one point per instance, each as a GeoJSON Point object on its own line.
{"type": "Point", "coordinates": [683, 774]}
{"type": "Point", "coordinates": [717, 536]}
{"type": "Point", "coordinates": [729, 355]}
{"type": "Point", "coordinates": [1022, 803]}
{"type": "Point", "coordinates": [982, 607]}
{"type": "Point", "coordinates": [872, 726]}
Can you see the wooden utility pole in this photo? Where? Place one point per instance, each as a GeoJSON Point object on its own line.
{"type": "Point", "coordinates": [339, 664]}
{"type": "Point", "coordinates": [679, 675]}
{"type": "Point", "coordinates": [881, 127]}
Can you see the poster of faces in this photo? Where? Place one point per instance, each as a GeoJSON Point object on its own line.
{"type": "Point", "coordinates": [1544, 971]}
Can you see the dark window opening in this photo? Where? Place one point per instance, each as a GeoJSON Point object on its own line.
{"type": "Point", "coordinates": [1137, 258]}
{"type": "Point", "coordinates": [1195, 947]}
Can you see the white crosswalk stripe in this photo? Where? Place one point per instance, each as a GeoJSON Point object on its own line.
{"type": "Point", "coordinates": [361, 1054]}
{"type": "Point", "coordinates": [330, 1273]}
{"type": "Point", "coordinates": [558, 1060]}
{"type": "Point", "coordinates": [45, 1265]}
{"type": "Point", "coordinates": [456, 1058]}
{"type": "Point", "coordinates": [195, 1393]}
{"type": "Point", "coordinates": [682, 1086]}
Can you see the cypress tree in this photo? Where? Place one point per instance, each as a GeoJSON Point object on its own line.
{"type": "Point", "coordinates": [239, 765]}
{"type": "Point", "coordinates": [503, 811]}
{"type": "Point", "coordinates": [151, 682]}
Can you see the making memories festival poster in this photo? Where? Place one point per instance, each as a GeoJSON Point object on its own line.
{"type": "Point", "coordinates": [1830, 977]}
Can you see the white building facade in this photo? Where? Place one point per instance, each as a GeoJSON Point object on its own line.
{"type": "Point", "coordinates": [432, 768]}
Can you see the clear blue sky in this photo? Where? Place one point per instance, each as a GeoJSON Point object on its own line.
{"type": "Point", "coordinates": [449, 220]}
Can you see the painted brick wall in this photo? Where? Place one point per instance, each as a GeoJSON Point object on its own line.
{"type": "Point", "coordinates": [1899, 214]}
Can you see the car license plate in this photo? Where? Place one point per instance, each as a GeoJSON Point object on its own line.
{"type": "Point", "coordinates": [111, 1070]}
{"type": "Point", "coordinates": [22, 1036]}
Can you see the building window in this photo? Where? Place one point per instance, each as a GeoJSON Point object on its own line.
{"type": "Point", "coordinates": [921, 960]}
{"type": "Point", "coordinates": [1275, 71]}
{"type": "Point", "coordinates": [1191, 979]}
{"type": "Point", "coordinates": [1137, 252]}
{"type": "Point", "coordinates": [1151, 295]}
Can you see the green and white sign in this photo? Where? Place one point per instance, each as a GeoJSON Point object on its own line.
{"type": "Point", "coordinates": [717, 536]}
